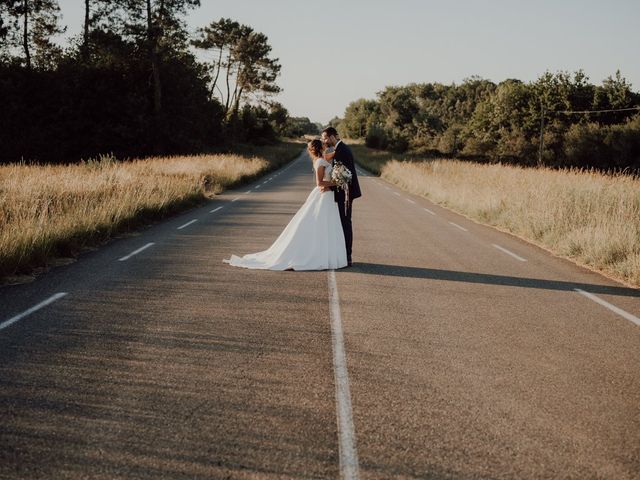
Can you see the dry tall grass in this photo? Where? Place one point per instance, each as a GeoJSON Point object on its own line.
{"type": "Point", "coordinates": [589, 217]}
{"type": "Point", "coordinates": [48, 211]}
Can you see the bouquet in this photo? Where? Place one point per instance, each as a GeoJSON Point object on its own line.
{"type": "Point", "coordinates": [342, 176]}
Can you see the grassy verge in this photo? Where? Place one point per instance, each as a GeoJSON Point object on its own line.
{"type": "Point", "coordinates": [59, 210]}
{"type": "Point", "coordinates": [588, 217]}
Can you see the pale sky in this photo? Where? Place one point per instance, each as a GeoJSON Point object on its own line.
{"type": "Point", "coordinates": [335, 51]}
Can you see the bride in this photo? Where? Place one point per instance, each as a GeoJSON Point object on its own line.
{"type": "Point", "coordinates": [313, 239]}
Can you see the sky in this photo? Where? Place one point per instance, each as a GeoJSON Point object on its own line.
{"type": "Point", "coordinates": [335, 51]}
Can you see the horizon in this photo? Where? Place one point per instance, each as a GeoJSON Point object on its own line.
{"type": "Point", "coordinates": [494, 41]}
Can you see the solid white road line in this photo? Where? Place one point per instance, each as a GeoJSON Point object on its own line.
{"type": "Point", "coordinates": [458, 226]}
{"type": "Point", "coordinates": [237, 198]}
{"type": "Point", "coordinates": [429, 211]}
{"type": "Point", "coordinates": [509, 253]}
{"type": "Point", "coordinates": [613, 308]}
{"type": "Point", "coordinates": [135, 252]}
{"type": "Point", "coordinates": [215, 210]}
{"type": "Point", "coordinates": [187, 224]}
{"type": "Point", "coordinates": [346, 432]}
{"type": "Point", "coordinates": [410, 201]}
{"type": "Point", "coordinates": [46, 302]}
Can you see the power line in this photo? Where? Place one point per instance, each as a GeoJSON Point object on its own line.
{"type": "Point", "coordinates": [567, 112]}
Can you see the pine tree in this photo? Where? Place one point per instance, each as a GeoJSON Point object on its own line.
{"type": "Point", "coordinates": [244, 55]}
{"type": "Point", "coordinates": [160, 25]}
{"type": "Point", "coordinates": [34, 23]}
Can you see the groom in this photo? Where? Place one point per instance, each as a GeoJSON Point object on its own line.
{"type": "Point", "coordinates": [343, 155]}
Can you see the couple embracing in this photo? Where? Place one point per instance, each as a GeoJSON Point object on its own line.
{"type": "Point", "coordinates": [320, 235]}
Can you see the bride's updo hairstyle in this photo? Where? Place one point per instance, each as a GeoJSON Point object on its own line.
{"type": "Point", "coordinates": [314, 147]}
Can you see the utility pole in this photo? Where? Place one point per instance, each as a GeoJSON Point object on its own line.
{"type": "Point", "coordinates": [541, 133]}
{"type": "Point", "coordinates": [454, 151]}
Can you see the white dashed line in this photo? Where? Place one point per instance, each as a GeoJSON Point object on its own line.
{"type": "Point", "coordinates": [235, 199]}
{"type": "Point", "coordinates": [518, 257]}
{"type": "Point", "coordinates": [247, 192]}
{"type": "Point", "coordinates": [428, 211]}
{"type": "Point", "coordinates": [410, 201]}
{"type": "Point", "coordinates": [396, 193]}
{"type": "Point", "coordinates": [135, 252]}
{"type": "Point", "coordinates": [188, 223]}
{"type": "Point", "coordinates": [386, 187]}
{"type": "Point", "coordinates": [256, 187]}
{"type": "Point", "coordinates": [215, 210]}
{"type": "Point", "coordinates": [20, 316]}
{"type": "Point", "coordinates": [458, 226]}
{"type": "Point", "coordinates": [613, 308]}
{"type": "Point", "coordinates": [346, 432]}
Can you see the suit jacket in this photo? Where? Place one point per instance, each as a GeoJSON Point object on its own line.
{"type": "Point", "coordinates": [344, 156]}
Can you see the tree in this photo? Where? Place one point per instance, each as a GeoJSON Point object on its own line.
{"type": "Point", "coordinates": [5, 20]}
{"type": "Point", "coordinates": [7, 25]}
{"type": "Point", "coordinates": [96, 15]}
{"type": "Point", "coordinates": [160, 25]}
{"type": "Point", "coordinates": [34, 22]}
{"type": "Point", "coordinates": [278, 116]}
{"type": "Point", "coordinates": [359, 116]}
{"type": "Point", "coordinates": [615, 93]}
{"type": "Point", "coordinates": [243, 54]}
{"type": "Point", "coordinates": [220, 37]}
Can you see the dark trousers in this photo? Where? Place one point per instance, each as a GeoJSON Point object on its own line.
{"type": "Point", "coordinates": [345, 219]}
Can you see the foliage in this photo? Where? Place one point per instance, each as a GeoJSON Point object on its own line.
{"type": "Point", "coordinates": [127, 85]}
{"type": "Point", "coordinates": [501, 122]}
{"type": "Point", "coordinates": [242, 55]}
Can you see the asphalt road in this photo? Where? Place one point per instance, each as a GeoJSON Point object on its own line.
{"type": "Point", "coordinates": [468, 353]}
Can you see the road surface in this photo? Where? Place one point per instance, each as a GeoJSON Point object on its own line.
{"type": "Point", "coordinates": [449, 350]}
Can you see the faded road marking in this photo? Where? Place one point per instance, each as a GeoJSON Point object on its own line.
{"type": "Point", "coordinates": [135, 252]}
{"type": "Point", "coordinates": [509, 253]}
{"type": "Point", "coordinates": [458, 226]}
{"type": "Point", "coordinates": [187, 224]}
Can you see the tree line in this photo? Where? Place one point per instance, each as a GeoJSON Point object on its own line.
{"type": "Point", "coordinates": [512, 121]}
{"type": "Point", "coordinates": [131, 84]}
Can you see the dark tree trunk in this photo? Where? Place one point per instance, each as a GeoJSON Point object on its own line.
{"type": "Point", "coordinates": [86, 22]}
{"type": "Point", "coordinates": [155, 62]}
{"type": "Point", "coordinates": [25, 33]}
{"type": "Point", "coordinates": [219, 67]}
{"type": "Point", "coordinates": [237, 95]}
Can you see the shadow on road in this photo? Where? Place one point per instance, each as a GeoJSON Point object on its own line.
{"type": "Point", "coordinates": [469, 277]}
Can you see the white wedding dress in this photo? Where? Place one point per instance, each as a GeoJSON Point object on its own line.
{"type": "Point", "coordinates": [312, 240]}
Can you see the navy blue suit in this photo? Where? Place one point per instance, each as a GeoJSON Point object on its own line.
{"type": "Point", "coordinates": [344, 156]}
